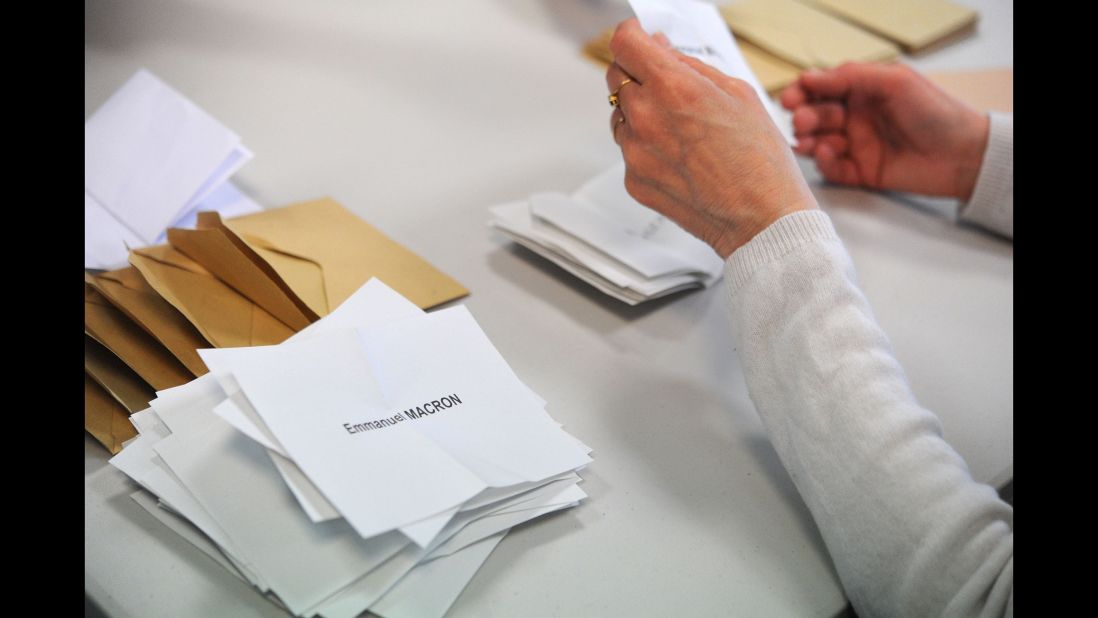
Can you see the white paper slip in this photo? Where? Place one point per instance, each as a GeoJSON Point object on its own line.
{"type": "Point", "coordinates": [610, 236]}
{"type": "Point", "coordinates": [602, 235]}
{"type": "Point", "coordinates": [315, 505]}
{"type": "Point", "coordinates": [237, 411]}
{"type": "Point", "coordinates": [150, 155]}
{"type": "Point", "coordinates": [107, 242]}
{"type": "Point", "coordinates": [493, 495]}
{"type": "Point", "coordinates": [364, 592]}
{"type": "Point", "coordinates": [141, 463]}
{"type": "Point", "coordinates": [697, 29]}
{"type": "Point", "coordinates": [372, 304]}
{"type": "Point", "coordinates": [465, 397]}
{"type": "Point", "coordinates": [179, 525]}
{"type": "Point", "coordinates": [607, 191]}
{"type": "Point", "coordinates": [318, 397]}
{"type": "Point", "coordinates": [186, 405]}
{"type": "Point", "coordinates": [233, 479]}
{"type": "Point", "coordinates": [501, 522]}
{"type": "Point", "coordinates": [580, 271]}
{"type": "Point", "coordinates": [430, 589]}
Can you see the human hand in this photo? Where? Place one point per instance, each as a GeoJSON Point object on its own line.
{"type": "Point", "coordinates": [699, 146]}
{"type": "Point", "coordinates": [887, 127]}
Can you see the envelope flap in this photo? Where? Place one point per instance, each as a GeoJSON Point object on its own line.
{"type": "Point", "coordinates": [169, 256]}
{"type": "Point", "coordinates": [231, 260]}
{"type": "Point", "coordinates": [220, 313]}
{"type": "Point", "coordinates": [347, 250]}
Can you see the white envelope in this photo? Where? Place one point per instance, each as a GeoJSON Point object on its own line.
{"type": "Point", "coordinates": [150, 155]}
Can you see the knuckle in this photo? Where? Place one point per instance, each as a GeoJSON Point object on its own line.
{"type": "Point", "coordinates": [617, 40]}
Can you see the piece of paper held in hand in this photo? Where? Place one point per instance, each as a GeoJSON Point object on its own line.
{"type": "Point", "coordinates": [698, 30]}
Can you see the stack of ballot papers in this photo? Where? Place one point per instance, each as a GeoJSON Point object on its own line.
{"type": "Point", "coordinates": [371, 461]}
{"type": "Point", "coordinates": [152, 160]}
{"type": "Point", "coordinates": [606, 238]}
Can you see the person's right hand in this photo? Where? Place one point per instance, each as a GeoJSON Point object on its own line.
{"type": "Point", "coordinates": [887, 127]}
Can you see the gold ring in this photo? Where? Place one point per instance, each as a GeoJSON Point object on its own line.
{"type": "Point", "coordinates": [613, 98]}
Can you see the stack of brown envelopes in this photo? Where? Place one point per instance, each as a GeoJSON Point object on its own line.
{"type": "Point", "coordinates": [253, 280]}
{"type": "Point", "coordinates": [781, 38]}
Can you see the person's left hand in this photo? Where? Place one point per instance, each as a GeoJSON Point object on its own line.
{"type": "Point", "coordinates": [698, 145]}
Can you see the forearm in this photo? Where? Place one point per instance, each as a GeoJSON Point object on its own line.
{"type": "Point", "coordinates": [992, 202]}
{"type": "Point", "coordinates": [910, 531]}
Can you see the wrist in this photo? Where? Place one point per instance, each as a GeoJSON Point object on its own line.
{"type": "Point", "coordinates": [971, 156]}
{"type": "Point", "coordinates": [739, 233]}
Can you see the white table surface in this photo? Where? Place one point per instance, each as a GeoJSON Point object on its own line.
{"type": "Point", "coordinates": [418, 116]}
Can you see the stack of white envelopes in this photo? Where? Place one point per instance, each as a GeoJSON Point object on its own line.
{"type": "Point", "coordinates": [152, 160]}
{"type": "Point", "coordinates": [605, 237]}
{"type": "Point", "coordinates": [372, 461]}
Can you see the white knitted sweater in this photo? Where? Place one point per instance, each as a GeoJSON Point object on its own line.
{"type": "Point", "coordinates": [910, 531]}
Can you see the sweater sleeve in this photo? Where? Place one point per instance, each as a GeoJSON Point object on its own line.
{"type": "Point", "coordinates": [910, 532]}
{"type": "Point", "coordinates": [992, 201]}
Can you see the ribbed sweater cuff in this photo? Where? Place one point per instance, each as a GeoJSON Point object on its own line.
{"type": "Point", "coordinates": [992, 201]}
{"type": "Point", "coordinates": [779, 239]}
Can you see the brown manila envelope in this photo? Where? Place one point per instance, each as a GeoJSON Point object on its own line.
{"type": "Point", "coordinates": [115, 377]}
{"type": "Point", "coordinates": [231, 260]}
{"type": "Point", "coordinates": [914, 24]}
{"type": "Point", "coordinates": [224, 317]}
{"type": "Point", "coordinates": [324, 253]}
{"type": "Point", "coordinates": [128, 291]}
{"type": "Point", "coordinates": [130, 343]}
{"type": "Point", "coordinates": [804, 36]}
{"type": "Point", "coordinates": [104, 418]}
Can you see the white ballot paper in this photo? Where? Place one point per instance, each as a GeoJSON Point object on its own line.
{"type": "Point", "coordinates": [472, 454]}
{"type": "Point", "coordinates": [152, 159]}
{"type": "Point", "coordinates": [346, 401]}
{"type": "Point", "coordinates": [605, 237]}
{"type": "Point", "coordinates": [697, 29]}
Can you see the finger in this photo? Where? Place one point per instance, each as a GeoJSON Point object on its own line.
{"type": "Point", "coordinates": [864, 77]}
{"type": "Point", "coordinates": [793, 96]}
{"type": "Point", "coordinates": [830, 84]}
{"type": "Point", "coordinates": [836, 142]}
{"type": "Point", "coordinates": [805, 145]}
{"type": "Point", "coordinates": [638, 54]}
{"type": "Point", "coordinates": [615, 75]}
{"type": "Point", "coordinates": [662, 39]}
{"type": "Point", "coordinates": [818, 117]}
{"type": "Point", "coordinates": [808, 144]}
{"type": "Point", "coordinates": [834, 168]}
